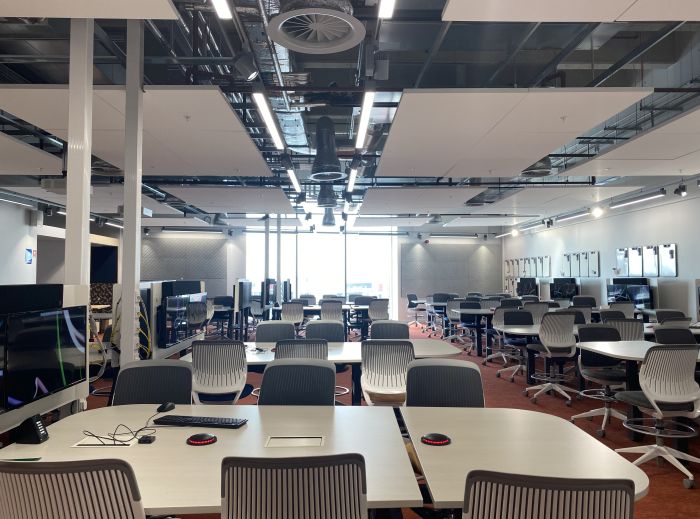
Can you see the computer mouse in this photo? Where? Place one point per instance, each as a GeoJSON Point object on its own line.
{"type": "Point", "coordinates": [436, 439]}
{"type": "Point", "coordinates": [165, 407]}
{"type": "Point", "coordinates": [201, 439]}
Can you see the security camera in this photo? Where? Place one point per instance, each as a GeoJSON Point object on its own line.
{"type": "Point", "coordinates": [426, 242]}
{"type": "Point", "coordinates": [146, 231]}
{"type": "Point", "coordinates": [420, 236]}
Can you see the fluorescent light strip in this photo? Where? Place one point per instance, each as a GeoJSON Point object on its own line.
{"type": "Point", "coordinates": [266, 112]}
{"type": "Point", "coordinates": [293, 180]}
{"type": "Point", "coordinates": [504, 234]}
{"type": "Point", "coordinates": [222, 9]}
{"type": "Point", "coordinates": [386, 8]}
{"type": "Point", "coordinates": [471, 236]}
{"type": "Point", "coordinates": [531, 226]}
{"type": "Point", "coordinates": [15, 202]}
{"type": "Point", "coordinates": [367, 104]}
{"type": "Point", "coordinates": [180, 231]}
{"type": "Point", "coordinates": [115, 225]}
{"type": "Point", "coordinates": [63, 213]}
{"type": "Point", "coordinates": [639, 199]}
{"type": "Point", "coordinates": [573, 216]}
{"type": "Point", "coordinates": [351, 180]}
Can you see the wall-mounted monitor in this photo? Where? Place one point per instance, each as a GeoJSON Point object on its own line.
{"type": "Point", "coordinates": [640, 295]}
{"type": "Point", "coordinates": [44, 352]}
{"type": "Point", "coordinates": [563, 288]}
{"type": "Point", "coordinates": [527, 287]}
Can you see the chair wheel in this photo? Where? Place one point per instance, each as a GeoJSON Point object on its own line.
{"type": "Point", "coordinates": [600, 433]}
{"type": "Point", "coordinates": [524, 392]}
{"type": "Point", "coordinates": [572, 420]}
{"type": "Point", "coordinates": [689, 483]}
{"type": "Point", "coordinates": [568, 403]}
{"type": "Point", "coordinates": [512, 380]}
{"type": "Point", "coordinates": [498, 375]}
{"type": "Point", "coordinates": [533, 400]}
{"type": "Point", "coordinates": [579, 397]}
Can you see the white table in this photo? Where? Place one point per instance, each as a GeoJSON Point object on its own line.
{"type": "Point", "coordinates": [175, 478]}
{"type": "Point", "coordinates": [509, 440]}
{"type": "Point", "coordinates": [650, 328]}
{"type": "Point", "coordinates": [348, 353]}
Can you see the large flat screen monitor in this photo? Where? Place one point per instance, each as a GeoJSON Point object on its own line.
{"type": "Point", "coordinates": [242, 294]}
{"type": "Point", "coordinates": [181, 317]}
{"type": "Point", "coordinates": [563, 288]}
{"type": "Point", "coordinates": [44, 353]}
{"type": "Point", "coordinates": [640, 295]}
{"type": "Point", "coordinates": [527, 287]}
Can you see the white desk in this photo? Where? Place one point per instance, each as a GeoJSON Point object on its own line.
{"type": "Point", "coordinates": [175, 478]}
{"type": "Point", "coordinates": [522, 331]}
{"type": "Point", "coordinates": [348, 353]}
{"type": "Point", "coordinates": [650, 328]}
{"type": "Point", "coordinates": [633, 351]}
{"type": "Point", "coordinates": [509, 440]}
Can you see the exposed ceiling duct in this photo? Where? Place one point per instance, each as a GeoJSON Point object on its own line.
{"type": "Point", "coordinates": [316, 26]}
{"type": "Point", "coordinates": [541, 168]}
{"type": "Point", "coordinates": [328, 218]}
{"type": "Point", "coordinates": [326, 196]}
{"type": "Point", "coordinates": [326, 166]}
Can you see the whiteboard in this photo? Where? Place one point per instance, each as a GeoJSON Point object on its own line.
{"type": "Point", "coordinates": [594, 264]}
{"type": "Point", "coordinates": [584, 265]}
{"type": "Point", "coordinates": [566, 266]}
{"type": "Point", "coordinates": [546, 266]}
{"type": "Point", "coordinates": [634, 259]}
{"type": "Point", "coordinates": [621, 262]}
{"type": "Point", "coordinates": [575, 265]}
{"type": "Point", "coordinates": [668, 260]}
{"type": "Point", "coordinates": [650, 257]}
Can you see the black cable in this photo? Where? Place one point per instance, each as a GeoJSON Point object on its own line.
{"type": "Point", "coordinates": [111, 438]}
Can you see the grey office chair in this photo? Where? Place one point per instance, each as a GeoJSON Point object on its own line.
{"type": "Point", "coordinates": [218, 368]}
{"type": "Point", "coordinates": [98, 489]}
{"type": "Point", "coordinates": [273, 331]}
{"type": "Point", "coordinates": [512, 302]}
{"type": "Point", "coordinates": [384, 367]}
{"type": "Point", "coordinates": [302, 349]}
{"type": "Point", "coordinates": [602, 370]}
{"type": "Point", "coordinates": [361, 300]}
{"type": "Point", "coordinates": [675, 322]}
{"type": "Point", "coordinates": [530, 299]}
{"type": "Point", "coordinates": [669, 390]}
{"type": "Point", "coordinates": [154, 382]}
{"type": "Point", "coordinates": [627, 308]}
{"type": "Point", "coordinates": [333, 297]}
{"type": "Point", "coordinates": [586, 311]}
{"type": "Point", "coordinates": [298, 382]}
{"type": "Point", "coordinates": [557, 344]}
{"type": "Point", "coordinates": [389, 330]}
{"type": "Point", "coordinates": [378, 310]}
{"type": "Point", "coordinates": [293, 313]}
{"type": "Point", "coordinates": [514, 347]}
{"type": "Point", "coordinates": [515, 496]}
{"type": "Point", "coordinates": [474, 294]}
{"type": "Point", "coordinates": [310, 299]}
{"type": "Point", "coordinates": [312, 487]}
{"type": "Point", "coordinates": [674, 336]}
{"type": "Point", "coordinates": [662, 315]}
{"type": "Point", "coordinates": [606, 315]}
{"type": "Point", "coordinates": [588, 301]}
{"type": "Point", "coordinates": [331, 310]}
{"type": "Point", "coordinates": [332, 331]}
{"type": "Point", "coordinates": [444, 383]}
{"type": "Point", "coordinates": [630, 329]}
{"type": "Point", "coordinates": [538, 310]}
{"type": "Point", "coordinates": [417, 308]}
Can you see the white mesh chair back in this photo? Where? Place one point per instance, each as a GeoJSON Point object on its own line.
{"type": "Point", "coordinates": [587, 312]}
{"type": "Point", "coordinates": [298, 382]}
{"type": "Point", "coordinates": [310, 487]}
{"type": "Point", "coordinates": [310, 298]}
{"type": "Point", "coordinates": [499, 316]}
{"type": "Point", "coordinates": [385, 364]}
{"type": "Point", "coordinates": [333, 297]}
{"type": "Point", "coordinates": [444, 383]}
{"type": "Point", "coordinates": [389, 330]}
{"type": "Point", "coordinates": [332, 331]}
{"type": "Point", "coordinates": [626, 308]}
{"type": "Point", "coordinates": [557, 331]}
{"type": "Point", "coordinates": [154, 382]}
{"type": "Point", "coordinates": [95, 489]}
{"type": "Point", "coordinates": [302, 349]}
{"type": "Point", "coordinates": [630, 329]}
{"type": "Point", "coordinates": [218, 368]}
{"type": "Point", "coordinates": [378, 310]}
{"type": "Point", "coordinates": [273, 331]}
{"type": "Point", "coordinates": [332, 311]}
{"type": "Point", "coordinates": [667, 376]}
{"type": "Point", "coordinates": [490, 495]}
{"type": "Point", "coordinates": [538, 310]}
{"type": "Point", "coordinates": [197, 313]}
{"type": "Point", "coordinates": [256, 307]}
{"type": "Point", "coordinates": [293, 312]}
{"type": "Point", "coordinates": [454, 304]}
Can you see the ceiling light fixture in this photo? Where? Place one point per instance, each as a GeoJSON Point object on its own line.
{"type": "Point", "coordinates": [63, 213]}
{"type": "Point", "coordinates": [597, 212]}
{"type": "Point", "coordinates": [367, 104]}
{"type": "Point", "coordinates": [222, 9]}
{"type": "Point", "coordinates": [245, 65]}
{"type": "Point", "coordinates": [681, 190]}
{"type": "Point", "coordinates": [180, 231]}
{"type": "Point", "coordinates": [293, 180]}
{"type": "Point", "coordinates": [573, 216]}
{"type": "Point", "coordinates": [639, 199]}
{"type": "Point", "coordinates": [115, 225]}
{"type": "Point", "coordinates": [515, 233]}
{"type": "Point", "coordinates": [386, 9]}
{"type": "Point", "coordinates": [15, 202]}
{"type": "Point", "coordinates": [509, 233]}
{"type": "Point", "coordinates": [532, 226]}
{"type": "Point", "coordinates": [435, 219]}
{"type": "Point", "coordinates": [351, 180]}
{"type": "Point", "coordinates": [266, 113]}
{"type": "Point", "coordinates": [468, 236]}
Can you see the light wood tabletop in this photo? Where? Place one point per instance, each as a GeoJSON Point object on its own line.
{"type": "Point", "coordinates": [623, 350]}
{"type": "Point", "coordinates": [524, 331]}
{"type": "Point", "coordinates": [175, 478]}
{"type": "Point", "coordinates": [508, 440]}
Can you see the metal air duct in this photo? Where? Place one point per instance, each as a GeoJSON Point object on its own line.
{"type": "Point", "coordinates": [326, 196]}
{"type": "Point", "coordinates": [328, 218]}
{"type": "Point", "coordinates": [326, 166]}
{"type": "Point", "coordinates": [541, 168]}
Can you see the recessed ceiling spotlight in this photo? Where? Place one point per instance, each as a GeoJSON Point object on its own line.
{"type": "Point", "coordinates": [681, 190]}
{"type": "Point", "coordinates": [597, 212]}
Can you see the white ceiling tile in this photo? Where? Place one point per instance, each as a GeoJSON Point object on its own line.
{"type": "Point", "coordinates": [413, 200]}
{"type": "Point", "coordinates": [234, 199]}
{"type": "Point", "coordinates": [482, 221]}
{"type": "Point", "coordinates": [173, 222]}
{"type": "Point", "coordinates": [388, 222]}
{"type": "Point", "coordinates": [20, 158]}
{"type": "Point", "coordinates": [122, 9]}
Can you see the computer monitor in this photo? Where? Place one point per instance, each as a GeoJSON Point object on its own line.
{"type": "Point", "coordinates": [242, 294]}
{"type": "Point", "coordinates": [527, 287]}
{"type": "Point", "coordinates": [563, 288]}
{"type": "Point", "coordinates": [640, 295]}
{"type": "Point", "coordinates": [44, 352]}
{"type": "Point", "coordinates": [270, 292]}
{"type": "Point", "coordinates": [181, 317]}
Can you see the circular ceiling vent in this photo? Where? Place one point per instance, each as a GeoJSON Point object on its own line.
{"type": "Point", "coordinates": [316, 30]}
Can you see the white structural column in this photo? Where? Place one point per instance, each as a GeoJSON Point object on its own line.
{"type": "Point", "coordinates": [79, 166]}
{"type": "Point", "coordinates": [279, 258]}
{"type": "Point", "coordinates": [267, 250]}
{"type": "Point", "coordinates": [131, 263]}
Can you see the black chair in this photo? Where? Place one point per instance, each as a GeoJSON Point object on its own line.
{"type": "Point", "coordinates": [579, 318]}
{"type": "Point", "coordinates": [154, 382]}
{"type": "Point", "coordinates": [418, 309]}
{"type": "Point", "coordinates": [588, 301]}
{"type": "Point", "coordinates": [674, 336]}
{"type": "Point", "coordinates": [605, 315]}
{"type": "Point", "coordinates": [662, 315]}
{"type": "Point", "coordinates": [298, 382]}
{"type": "Point", "coordinates": [516, 346]}
{"type": "Point", "coordinates": [530, 299]}
{"type": "Point", "coordinates": [602, 370]}
{"type": "Point", "coordinates": [221, 318]}
{"type": "Point", "coordinates": [443, 383]}
{"type": "Point", "coordinates": [675, 322]}
{"type": "Point", "coordinates": [512, 302]}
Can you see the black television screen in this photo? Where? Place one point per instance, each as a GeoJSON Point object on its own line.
{"type": "Point", "coordinates": [563, 288]}
{"type": "Point", "coordinates": [270, 291]}
{"type": "Point", "coordinates": [103, 264]}
{"type": "Point", "coordinates": [242, 294]}
{"type": "Point", "coordinates": [181, 317]}
{"type": "Point", "coordinates": [527, 287]}
{"type": "Point", "coordinates": [44, 353]}
{"type": "Point", "coordinates": [640, 295]}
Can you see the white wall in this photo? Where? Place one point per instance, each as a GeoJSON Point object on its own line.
{"type": "Point", "coordinates": [673, 222]}
{"type": "Point", "coordinates": [17, 235]}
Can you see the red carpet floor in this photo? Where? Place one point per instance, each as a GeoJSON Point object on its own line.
{"type": "Point", "coordinates": [667, 499]}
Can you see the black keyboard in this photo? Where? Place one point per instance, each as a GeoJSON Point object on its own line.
{"type": "Point", "coordinates": [201, 421]}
